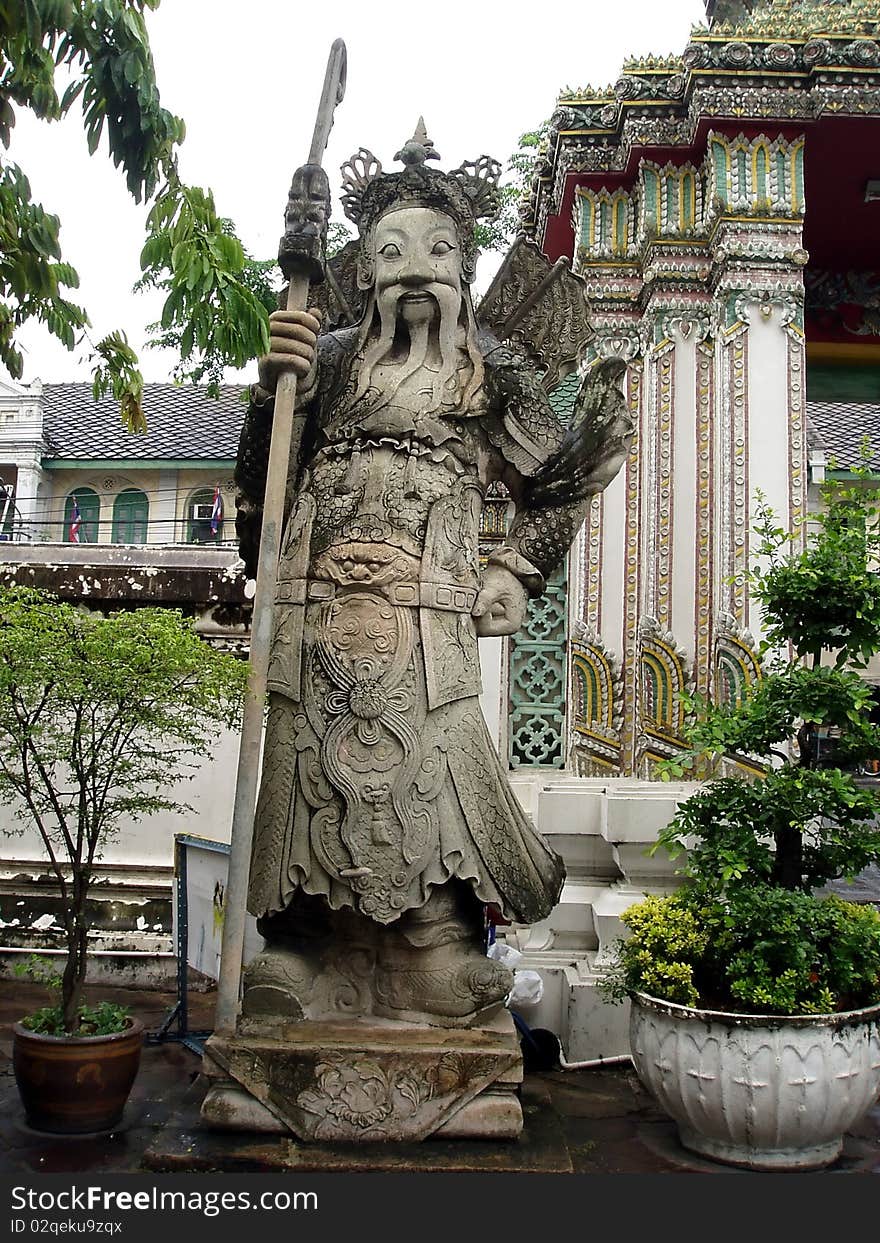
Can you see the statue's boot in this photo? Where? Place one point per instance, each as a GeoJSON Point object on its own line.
{"type": "Point", "coordinates": [280, 982]}
{"type": "Point", "coordinates": [316, 964]}
{"type": "Point", "coordinates": [432, 967]}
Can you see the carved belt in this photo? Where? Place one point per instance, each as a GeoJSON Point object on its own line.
{"type": "Point", "coordinates": [446, 596]}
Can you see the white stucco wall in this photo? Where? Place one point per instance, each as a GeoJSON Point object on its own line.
{"type": "Point", "coordinates": [613, 581]}
{"type": "Point", "coordinates": [768, 453]}
{"type": "Point", "coordinates": [150, 842]}
{"type": "Point", "coordinates": [493, 700]}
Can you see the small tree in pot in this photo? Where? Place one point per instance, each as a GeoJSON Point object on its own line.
{"type": "Point", "coordinates": [748, 934]}
{"type": "Point", "coordinates": [99, 717]}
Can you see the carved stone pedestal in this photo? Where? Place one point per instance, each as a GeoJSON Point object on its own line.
{"type": "Point", "coordinates": [367, 1080]}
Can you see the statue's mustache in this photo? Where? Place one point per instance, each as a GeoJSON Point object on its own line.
{"type": "Point", "coordinates": [445, 297]}
{"type": "Point", "coordinates": [438, 293]}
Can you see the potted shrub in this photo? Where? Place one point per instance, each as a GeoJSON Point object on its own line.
{"type": "Point", "coordinates": [755, 1015]}
{"type": "Point", "coordinates": [99, 716]}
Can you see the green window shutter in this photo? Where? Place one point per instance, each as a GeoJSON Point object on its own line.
{"type": "Point", "coordinates": [131, 514]}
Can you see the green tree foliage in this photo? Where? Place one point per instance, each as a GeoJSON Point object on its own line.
{"type": "Point", "coordinates": [218, 297]}
{"type": "Point", "coordinates": [826, 597]}
{"type": "Point", "coordinates": [101, 49]}
{"type": "Point", "coordinates": [338, 237]}
{"type": "Point", "coordinates": [102, 1019]}
{"type": "Point", "coordinates": [819, 596]}
{"type": "Point", "coordinates": [99, 716]}
{"type": "Point", "coordinates": [498, 234]}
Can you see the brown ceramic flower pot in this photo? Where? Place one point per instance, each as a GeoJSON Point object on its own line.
{"type": "Point", "coordinates": [74, 1084]}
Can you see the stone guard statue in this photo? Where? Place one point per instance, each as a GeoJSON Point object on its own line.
{"type": "Point", "coordinates": [385, 821]}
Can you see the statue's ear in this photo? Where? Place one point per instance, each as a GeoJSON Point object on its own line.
{"type": "Point", "coordinates": [365, 274]}
{"type": "Point", "coordinates": [366, 265]}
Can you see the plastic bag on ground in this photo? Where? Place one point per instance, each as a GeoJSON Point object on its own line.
{"type": "Point", "coordinates": [528, 986]}
{"type": "Point", "coordinates": [528, 989]}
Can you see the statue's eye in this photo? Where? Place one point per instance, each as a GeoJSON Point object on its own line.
{"type": "Point", "coordinates": [441, 248]}
{"type": "Point", "coordinates": [390, 251]}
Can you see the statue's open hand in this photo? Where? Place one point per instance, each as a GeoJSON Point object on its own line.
{"type": "Point", "coordinates": [292, 344]}
{"type": "Point", "coordinates": [500, 607]}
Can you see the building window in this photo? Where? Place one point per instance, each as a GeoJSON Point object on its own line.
{"type": "Point", "coordinates": [82, 510]}
{"type": "Point", "coordinates": [203, 526]}
{"type": "Point", "coordinates": [131, 513]}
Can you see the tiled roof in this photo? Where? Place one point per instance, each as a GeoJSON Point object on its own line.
{"type": "Point", "coordinates": [839, 427]}
{"type": "Point", "coordinates": [182, 422]}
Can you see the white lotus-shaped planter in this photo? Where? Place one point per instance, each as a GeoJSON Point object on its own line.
{"type": "Point", "coordinates": [765, 1092]}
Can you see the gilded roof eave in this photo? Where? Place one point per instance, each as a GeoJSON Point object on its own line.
{"type": "Point", "coordinates": [754, 70]}
{"type": "Point", "coordinates": [792, 19]}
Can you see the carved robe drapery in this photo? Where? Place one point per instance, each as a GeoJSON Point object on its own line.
{"type": "Point", "coordinates": [380, 779]}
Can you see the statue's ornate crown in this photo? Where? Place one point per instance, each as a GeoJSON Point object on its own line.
{"type": "Point", "coordinates": [467, 193]}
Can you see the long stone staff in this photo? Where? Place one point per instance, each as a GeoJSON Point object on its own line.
{"type": "Point", "coordinates": [302, 261]}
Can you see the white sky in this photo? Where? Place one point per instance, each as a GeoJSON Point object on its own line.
{"type": "Point", "coordinates": [246, 78]}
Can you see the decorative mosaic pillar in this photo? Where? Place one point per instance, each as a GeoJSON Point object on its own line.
{"type": "Point", "coordinates": [629, 732]}
{"type": "Point", "coordinates": [538, 676]}
{"type": "Point", "coordinates": [733, 473]}
{"type": "Point", "coordinates": [658, 488]}
{"type": "Point", "coordinates": [603, 587]}
{"type": "Point", "coordinates": [704, 542]}
{"type": "Point", "coordinates": [757, 220]}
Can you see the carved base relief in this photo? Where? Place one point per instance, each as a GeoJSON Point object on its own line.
{"type": "Point", "coordinates": [368, 1081]}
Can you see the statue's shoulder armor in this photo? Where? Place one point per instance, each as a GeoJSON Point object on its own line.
{"type": "Point", "coordinates": [333, 346]}
{"type": "Point", "coordinates": [527, 428]}
{"type": "Point", "coordinates": [336, 351]}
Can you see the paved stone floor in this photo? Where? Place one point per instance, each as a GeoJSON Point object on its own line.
{"type": "Point", "coordinates": [593, 1121]}
{"type": "Point", "coordinates": [864, 888]}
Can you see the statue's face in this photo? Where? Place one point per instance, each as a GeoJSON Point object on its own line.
{"type": "Point", "coordinates": [418, 262]}
{"type": "Point", "coordinates": [417, 271]}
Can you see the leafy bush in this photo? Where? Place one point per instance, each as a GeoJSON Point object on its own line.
{"type": "Point", "coordinates": [761, 950]}
{"type": "Point", "coordinates": [103, 1019]}
{"type": "Point", "coordinates": [668, 939]}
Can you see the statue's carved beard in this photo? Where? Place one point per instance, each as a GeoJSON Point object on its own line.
{"type": "Point", "coordinates": [456, 312]}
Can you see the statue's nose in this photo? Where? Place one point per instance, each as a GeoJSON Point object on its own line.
{"type": "Point", "coordinates": [416, 272]}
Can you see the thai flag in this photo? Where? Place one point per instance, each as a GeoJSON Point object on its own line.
{"type": "Point", "coordinates": [216, 512]}
{"type": "Point", "coordinates": [75, 523]}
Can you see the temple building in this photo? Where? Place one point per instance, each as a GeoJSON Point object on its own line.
{"type": "Point", "coordinates": [723, 209]}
